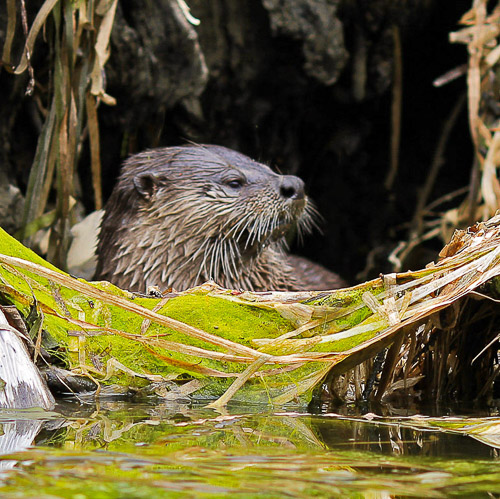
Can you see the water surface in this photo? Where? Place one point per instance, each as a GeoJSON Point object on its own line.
{"type": "Point", "coordinates": [118, 449]}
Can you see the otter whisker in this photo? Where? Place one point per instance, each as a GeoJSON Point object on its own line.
{"type": "Point", "coordinates": [202, 249]}
{"type": "Point", "coordinates": [228, 259]}
{"type": "Point", "coordinates": [214, 263]}
{"type": "Point", "coordinates": [260, 230]}
{"type": "Point", "coordinates": [235, 257]}
{"type": "Point", "coordinates": [233, 231]}
{"type": "Point", "coordinates": [267, 225]}
{"type": "Point", "coordinates": [312, 214]}
{"type": "Point", "coordinates": [252, 234]}
{"type": "Point", "coordinates": [243, 230]}
{"type": "Point", "coordinates": [210, 261]}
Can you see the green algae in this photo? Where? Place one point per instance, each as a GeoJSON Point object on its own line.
{"type": "Point", "coordinates": [269, 347]}
{"type": "Point", "coordinates": [235, 322]}
{"type": "Point", "coordinates": [98, 337]}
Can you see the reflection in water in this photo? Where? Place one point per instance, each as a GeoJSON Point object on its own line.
{"type": "Point", "coordinates": [132, 450]}
{"type": "Point", "coordinates": [399, 438]}
{"type": "Point", "coordinates": [16, 436]}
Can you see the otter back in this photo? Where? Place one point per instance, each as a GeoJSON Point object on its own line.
{"type": "Point", "coordinates": [180, 216]}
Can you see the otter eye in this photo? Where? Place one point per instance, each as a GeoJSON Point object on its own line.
{"type": "Point", "coordinates": [235, 183]}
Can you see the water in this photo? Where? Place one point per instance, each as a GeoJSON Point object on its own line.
{"type": "Point", "coordinates": [124, 450]}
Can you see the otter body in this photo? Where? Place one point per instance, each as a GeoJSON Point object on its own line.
{"type": "Point", "coordinates": [180, 216]}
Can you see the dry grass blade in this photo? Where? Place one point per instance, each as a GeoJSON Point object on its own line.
{"type": "Point", "coordinates": [39, 21]}
{"type": "Point", "coordinates": [239, 382]}
{"type": "Point", "coordinates": [490, 185]}
{"type": "Point", "coordinates": [10, 32]}
{"type": "Point", "coordinates": [40, 175]}
{"type": "Point", "coordinates": [77, 35]}
{"type": "Point", "coordinates": [107, 11]}
{"type": "Point", "coordinates": [480, 34]}
{"type": "Point", "coordinates": [95, 149]}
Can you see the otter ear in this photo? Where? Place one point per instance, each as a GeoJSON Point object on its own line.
{"type": "Point", "coordinates": [146, 184]}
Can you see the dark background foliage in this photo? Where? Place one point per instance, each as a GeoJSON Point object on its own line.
{"type": "Point", "coordinates": [304, 85]}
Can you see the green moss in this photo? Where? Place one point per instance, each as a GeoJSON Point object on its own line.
{"type": "Point", "coordinates": [96, 336]}
{"type": "Point", "coordinates": [233, 321]}
{"type": "Point", "coordinates": [12, 247]}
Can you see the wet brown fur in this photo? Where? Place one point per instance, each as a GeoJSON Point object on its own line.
{"type": "Point", "coordinates": [182, 215]}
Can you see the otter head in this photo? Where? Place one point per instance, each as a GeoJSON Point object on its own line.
{"type": "Point", "coordinates": [182, 215]}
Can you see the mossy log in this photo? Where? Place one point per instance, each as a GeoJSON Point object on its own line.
{"type": "Point", "coordinates": [271, 347]}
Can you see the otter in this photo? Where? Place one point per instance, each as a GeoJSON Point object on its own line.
{"type": "Point", "coordinates": [179, 216]}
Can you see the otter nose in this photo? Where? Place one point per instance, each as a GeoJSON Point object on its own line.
{"type": "Point", "coordinates": [292, 187]}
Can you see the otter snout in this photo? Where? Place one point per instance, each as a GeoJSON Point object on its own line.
{"type": "Point", "coordinates": [291, 187]}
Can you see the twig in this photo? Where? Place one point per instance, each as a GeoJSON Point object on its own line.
{"type": "Point", "coordinates": [397, 97]}
{"type": "Point", "coordinates": [31, 72]}
{"type": "Point", "coordinates": [390, 363]}
{"type": "Point", "coordinates": [450, 76]}
{"type": "Point", "coordinates": [437, 162]}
